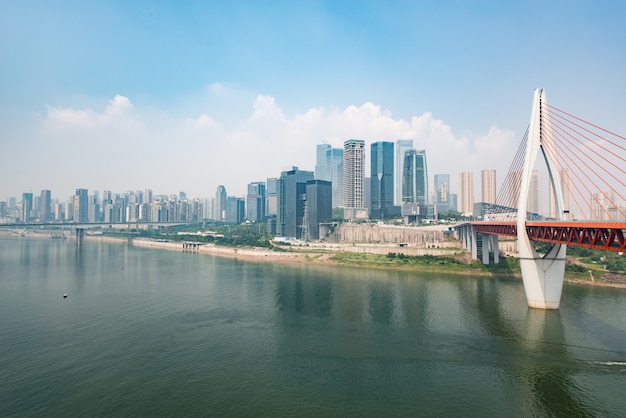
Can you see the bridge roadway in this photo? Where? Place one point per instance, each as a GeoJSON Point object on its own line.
{"type": "Point", "coordinates": [607, 235]}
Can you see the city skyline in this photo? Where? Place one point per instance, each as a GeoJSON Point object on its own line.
{"type": "Point", "coordinates": [169, 97]}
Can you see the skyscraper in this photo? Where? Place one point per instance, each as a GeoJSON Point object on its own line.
{"type": "Point", "coordinates": [442, 192]}
{"type": "Point", "coordinates": [271, 207]}
{"type": "Point", "coordinates": [466, 193]}
{"type": "Point", "coordinates": [334, 157]}
{"type": "Point", "coordinates": [81, 206]}
{"type": "Point", "coordinates": [27, 206]}
{"type": "Point", "coordinates": [235, 210]}
{"type": "Point", "coordinates": [220, 203]}
{"type": "Point", "coordinates": [255, 202]}
{"type": "Point", "coordinates": [321, 162]}
{"type": "Point", "coordinates": [291, 202]}
{"type": "Point", "coordinates": [45, 206]}
{"type": "Point", "coordinates": [488, 186]}
{"type": "Point", "coordinates": [415, 177]}
{"type": "Point", "coordinates": [382, 184]}
{"type": "Point", "coordinates": [318, 209]}
{"type": "Point", "coordinates": [353, 179]}
{"type": "Point", "coordinates": [402, 145]}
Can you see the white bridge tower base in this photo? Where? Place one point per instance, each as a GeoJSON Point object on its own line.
{"type": "Point", "coordinates": [542, 275]}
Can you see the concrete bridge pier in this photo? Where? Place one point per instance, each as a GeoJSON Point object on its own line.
{"type": "Point", "coordinates": [490, 246]}
{"type": "Point", "coordinates": [543, 276]}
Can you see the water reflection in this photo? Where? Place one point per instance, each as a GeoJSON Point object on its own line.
{"type": "Point", "coordinates": [547, 370]}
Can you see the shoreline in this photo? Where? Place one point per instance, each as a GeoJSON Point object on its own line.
{"type": "Point", "coordinates": [324, 258]}
{"type": "Point", "coordinates": [287, 257]}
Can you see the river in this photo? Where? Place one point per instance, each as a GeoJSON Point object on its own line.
{"type": "Point", "coordinates": [149, 332]}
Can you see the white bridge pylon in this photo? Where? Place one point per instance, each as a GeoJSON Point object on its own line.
{"type": "Point", "coordinates": [542, 275]}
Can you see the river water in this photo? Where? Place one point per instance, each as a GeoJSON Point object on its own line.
{"type": "Point", "coordinates": [149, 332]}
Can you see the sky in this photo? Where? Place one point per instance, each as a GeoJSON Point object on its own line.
{"type": "Point", "coordinates": [188, 95]}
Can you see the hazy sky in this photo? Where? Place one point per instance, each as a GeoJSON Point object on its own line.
{"type": "Point", "coordinates": [185, 95]}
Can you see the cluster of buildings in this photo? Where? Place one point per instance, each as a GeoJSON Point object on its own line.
{"type": "Point", "coordinates": [301, 204]}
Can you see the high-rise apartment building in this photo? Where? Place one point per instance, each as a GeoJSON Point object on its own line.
{"type": "Point", "coordinates": [488, 186]}
{"type": "Point", "coordinates": [381, 180]}
{"type": "Point", "coordinates": [291, 202]}
{"type": "Point", "coordinates": [255, 202]}
{"type": "Point", "coordinates": [466, 193]}
{"type": "Point", "coordinates": [442, 193]}
{"type": "Point", "coordinates": [45, 206]}
{"type": "Point", "coordinates": [402, 145]}
{"type": "Point", "coordinates": [415, 177]}
{"type": "Point", "coordinates": [220, 203]}
{"type": "Point", "coordinates": [353, 179]}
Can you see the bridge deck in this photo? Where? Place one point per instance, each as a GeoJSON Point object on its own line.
{"type": "Point", "coordinates": [608, 236]}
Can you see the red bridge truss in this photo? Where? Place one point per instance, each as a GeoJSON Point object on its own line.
{"type": "Point", "coordinates": [608, 236]}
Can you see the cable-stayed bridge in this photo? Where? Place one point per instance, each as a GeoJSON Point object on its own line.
{"type": "Point", "coordinates": [586, 168]}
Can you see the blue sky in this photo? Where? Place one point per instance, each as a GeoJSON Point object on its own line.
{"type": "Point", "coordinates": [177, 96]}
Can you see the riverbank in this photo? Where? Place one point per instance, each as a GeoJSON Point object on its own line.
{"type": "Point", "coordinates": [363, 260]}
{"type": "Point", "coordinates": [337, 256]}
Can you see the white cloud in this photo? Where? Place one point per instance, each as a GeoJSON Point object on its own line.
{"type": "Point", "coordinates": [138, 148]}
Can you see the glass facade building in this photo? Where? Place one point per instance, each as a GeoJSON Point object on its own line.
{"type": "Point", "coordinates": [381, 180]}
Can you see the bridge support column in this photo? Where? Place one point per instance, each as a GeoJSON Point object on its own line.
{"type": "Point", "coordinates": [543, 278]}
{"type": "Point", "coordinates": [489, 246]}
{"type": "Point", "coordinates": [473, 238]}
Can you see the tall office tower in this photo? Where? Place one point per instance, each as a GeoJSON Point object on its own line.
{"type": "Point", "coordinates": [69, 209]}
{"type": "Point", "coordinates": [353, 179]}
{"type": "Point", "coordinates": [566, 185]}
{"type": "Point", "coordinates": [255, 202]}
{"type": "Point", "coordinates": [12, 202]}
{"type": "Point", "coordinates": [402, 146]}
{"type": "Point", "coordinates": [534, 194]}
{"type": "Point", "coordinates": [415, 177]}
{"type": "Point", "coordinates": [442, 193]}
{"type": "Point", "coordinates": [235, 210]}
{"type": "Point", "coordinates": [381, 180]}
{"type": "Point", "coordinates": [318, 209]}
{"type": "Point", "coordinates": [291, 202]}
{"type": "Point", "coordinates": [334, 162]}
{"type": "Point", "coordinates": [81, 205]}
{"type": "Point", "coordinates": [488, 186]}
{"type": "Point", "coordinates": [466, 193]}
{"type": "Point", "coordinates": [45, 206]}
{"type": "Point", "coordinates": [93, 211]}
{"type": "Point", "coordinates": [220, 203]}
{"type": "Point", "coordinates": [271, 191]}
{"type": "Point", "coordinates": [454, 199]}
{"type": "Point", "coordinates": [321, 162]}
{"type": "Point", "coordinates": [27, 206]}
{"type": "Point", "coordinates": [59, 212]}
{"type": "Point", "coordinates": [3, 209]}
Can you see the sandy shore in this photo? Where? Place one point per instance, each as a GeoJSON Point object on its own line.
{"type": "Point", "coordinates": [254, 254]}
